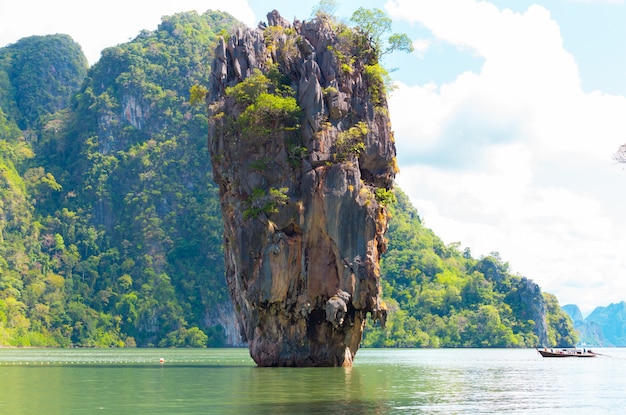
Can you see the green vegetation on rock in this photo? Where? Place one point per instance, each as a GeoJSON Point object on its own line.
{"type": "Point", "coordinates": [267, 106]}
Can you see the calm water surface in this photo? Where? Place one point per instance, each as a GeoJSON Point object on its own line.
{"type": "Point", "coordinates": [225, 381]}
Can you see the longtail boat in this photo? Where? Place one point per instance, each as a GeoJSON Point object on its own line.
{"type": "Point", "coordinates": [545, 352]}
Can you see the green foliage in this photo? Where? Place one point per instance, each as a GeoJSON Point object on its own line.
{"type": "Point", "coordinates": [268, 104]}
{"type": "Point", "coordinates": [561, 331]}
{"type": "Point", "coordinates": [44, 72]}
{"type": "Point", "coordinates": [351, 142]}
{"type": "Point", "coordinates": [266, 202]}
{"type": "Point", "coordinates": [400, 42]}
{"type": "Point", "coordinates": [115, 251]}
{"type": "Point", "coordinates": [197, 94]}
{"type": "Point", "coordinates": [9, 133]}
{"type": "Point", "coordinates": [375, 24]}
{"type": "Point", "coordinates": [246, 93]}
{"type": "Point", "coordinates": [296, 154]}
{"type": "Point", "coordinates": [384, 196]}
{"type": "Point", "coordinates": [282, 44]}
{"type": "Point", "coordinates": [193, 337]}
{"type": "Point", "coordinates": [379, 82]}
{"type": "Point", "coordinates": [364, 47]}
{"type": "Point", "coordinates": [267, 114]}
{"type": "Point", "coordinates": [280, 82]}
{"type": "Point", "coordinates": [349, 47]}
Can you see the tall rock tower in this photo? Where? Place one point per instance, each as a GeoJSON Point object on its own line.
{"type": "Point", "coordinates": [303, 154]}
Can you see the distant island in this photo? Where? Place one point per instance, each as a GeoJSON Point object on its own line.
{"type": "Point", "coordinates": [605, 326]}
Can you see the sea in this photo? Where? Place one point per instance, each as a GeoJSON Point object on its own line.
{"type": "Point", "coordinates": [382, 381]}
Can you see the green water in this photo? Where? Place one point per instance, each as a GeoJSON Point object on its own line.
{"type": "Point", "coordinates": [225, 381]}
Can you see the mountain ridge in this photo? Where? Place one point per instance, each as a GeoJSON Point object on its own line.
{"type": "Point", "coordinates": [604, 326]}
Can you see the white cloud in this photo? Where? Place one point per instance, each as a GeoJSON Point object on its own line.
{"type": "Point", "coordinates": [516, 158]}
{"type": "Point", "coordinates": [616, 2]}
{"type": "Point", "coordinates": [97, 25]}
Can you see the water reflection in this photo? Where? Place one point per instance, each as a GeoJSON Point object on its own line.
{"type": "Point", "coordinates": [381, 382]}
{"type": "Point", "coordinates": [309, 391]}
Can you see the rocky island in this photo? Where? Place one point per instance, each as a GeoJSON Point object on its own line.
{"type": "Point", "coordinates": [303, 154]}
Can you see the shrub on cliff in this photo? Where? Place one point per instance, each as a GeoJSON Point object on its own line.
{"type": "Point", "coordinates": [267, 105]}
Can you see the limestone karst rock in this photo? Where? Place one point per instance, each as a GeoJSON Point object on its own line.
{"type": "Point", "coordinates": [303, 154]}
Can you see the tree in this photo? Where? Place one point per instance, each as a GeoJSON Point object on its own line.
{"type": "Point", "coordinates": [375, 24]}
{"type": "Point", "coordinates": [325, 9]}
{"type": "Point", "coordinates": [197, 94]}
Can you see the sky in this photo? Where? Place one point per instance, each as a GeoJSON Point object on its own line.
{"type": "Point", "coordinates": [506, 118]}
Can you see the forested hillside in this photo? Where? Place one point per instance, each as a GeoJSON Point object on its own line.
{"type": "Point", "coordinates": [110, 227]}
{"type": "Point", "coordinates": [126, 238]}
{"type": "Point", "coordinates": [442, 297]}
{"type": "Point", "coordinates": [38, 76]}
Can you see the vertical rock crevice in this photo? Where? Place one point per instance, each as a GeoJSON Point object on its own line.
{"type": "Point", "coordinates": [301, 148]}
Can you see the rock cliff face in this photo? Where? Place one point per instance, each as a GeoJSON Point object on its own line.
{"type": "Point", "coordinates": [534, 307]}
{"type": "Point", "coordinates": [304, 157]}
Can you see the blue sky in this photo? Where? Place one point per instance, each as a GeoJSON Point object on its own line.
{"type": "Point", "coordinates": [506, 118]}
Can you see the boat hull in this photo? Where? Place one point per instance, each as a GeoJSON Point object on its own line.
{"type": "Point", "coordinates": [566, 353]}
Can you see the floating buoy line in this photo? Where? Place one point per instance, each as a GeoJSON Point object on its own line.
{"type": "Point", "coordinates": [131, 357]}
{"type": "Point", "coordinates": [104, 362]}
